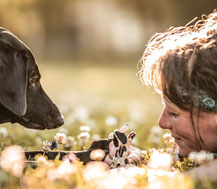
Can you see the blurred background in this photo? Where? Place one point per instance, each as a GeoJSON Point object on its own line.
{"type": "Point", "coordinates": [88, 54]}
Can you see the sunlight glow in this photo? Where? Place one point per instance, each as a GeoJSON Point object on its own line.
{"type": "Point", "coordinates": [12, 159]}
{"type": "Point", "coordinates": [160, 160]}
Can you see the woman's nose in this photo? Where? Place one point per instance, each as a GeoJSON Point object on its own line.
{"type": "Point", "coordinates": [164, 121]}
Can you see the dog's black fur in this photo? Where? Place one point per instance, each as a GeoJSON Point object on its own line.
{"type": "Point", "coordinates": [22, 98]}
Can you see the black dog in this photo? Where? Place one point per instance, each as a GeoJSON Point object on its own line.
{"type": "Point", "coordinates": [22, 98]}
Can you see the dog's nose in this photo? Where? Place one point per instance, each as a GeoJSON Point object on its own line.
{"type": "Point", "coordinates": [60, 120]}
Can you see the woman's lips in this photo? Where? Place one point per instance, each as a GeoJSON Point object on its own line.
{"type": "Point", "coordinates": [177, 141]}
{"type": "Point", "coordinates": [176, 138]}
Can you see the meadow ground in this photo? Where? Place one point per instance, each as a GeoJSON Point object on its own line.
{"type": "Point", "coordinates": [102, 97]}
{"type": "Point", "coordinates": [95, 100]}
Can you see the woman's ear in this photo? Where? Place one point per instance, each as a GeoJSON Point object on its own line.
{"type": "Point", "coordinates": [13, 81]}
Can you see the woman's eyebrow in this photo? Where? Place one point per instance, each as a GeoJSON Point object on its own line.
{"type": "Point", "coordinates": [170, 106]}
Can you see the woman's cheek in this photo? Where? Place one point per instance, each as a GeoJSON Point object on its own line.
{"type": "Point", "coordinates": [175, 124]}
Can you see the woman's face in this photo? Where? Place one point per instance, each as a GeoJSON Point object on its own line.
{"type": "Point", "coordinates": [179, 123]}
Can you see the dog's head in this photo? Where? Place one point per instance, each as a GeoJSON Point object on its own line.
{"type": "Point", "coordinates": [22, 98]}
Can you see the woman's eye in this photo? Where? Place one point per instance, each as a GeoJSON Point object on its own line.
{"type": "Point", "coordinates": [172, 114]}
{"type": "Point", "coordinates": [33, 81]}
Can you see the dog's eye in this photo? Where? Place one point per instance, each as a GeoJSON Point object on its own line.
{"type": "Point", "coordinates": [33, 81]}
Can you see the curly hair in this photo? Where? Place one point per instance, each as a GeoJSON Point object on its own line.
{"type": "Point", "coordinates": [183, 57]}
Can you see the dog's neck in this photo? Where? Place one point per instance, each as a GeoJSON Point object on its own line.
{"type": "Point", "coordinates": [5, 115]}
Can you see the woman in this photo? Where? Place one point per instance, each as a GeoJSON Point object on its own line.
{"type": "Point", "coordinates": [181, 64]}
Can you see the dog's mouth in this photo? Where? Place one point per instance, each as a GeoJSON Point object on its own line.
{"type": "Point", "coordinates": [28, 123]}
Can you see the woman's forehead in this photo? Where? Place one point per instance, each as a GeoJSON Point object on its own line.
{"type": "Point", "coordinates": [168, 103]}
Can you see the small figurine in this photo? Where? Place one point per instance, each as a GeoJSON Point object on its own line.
{"type": "Point", "coordinates": [122, 144]}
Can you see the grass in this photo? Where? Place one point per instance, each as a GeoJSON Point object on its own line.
{"type": "Point", "coordinates": [97, 92]}
{"type": "Point", "coordinates": [103, 97]}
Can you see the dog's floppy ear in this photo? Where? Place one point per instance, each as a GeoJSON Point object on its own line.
{"type": "Point", "coordinates": [13, 81]}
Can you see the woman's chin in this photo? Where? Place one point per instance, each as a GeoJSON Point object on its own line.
{"type": "Point", "coordinates": [184, 152]}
